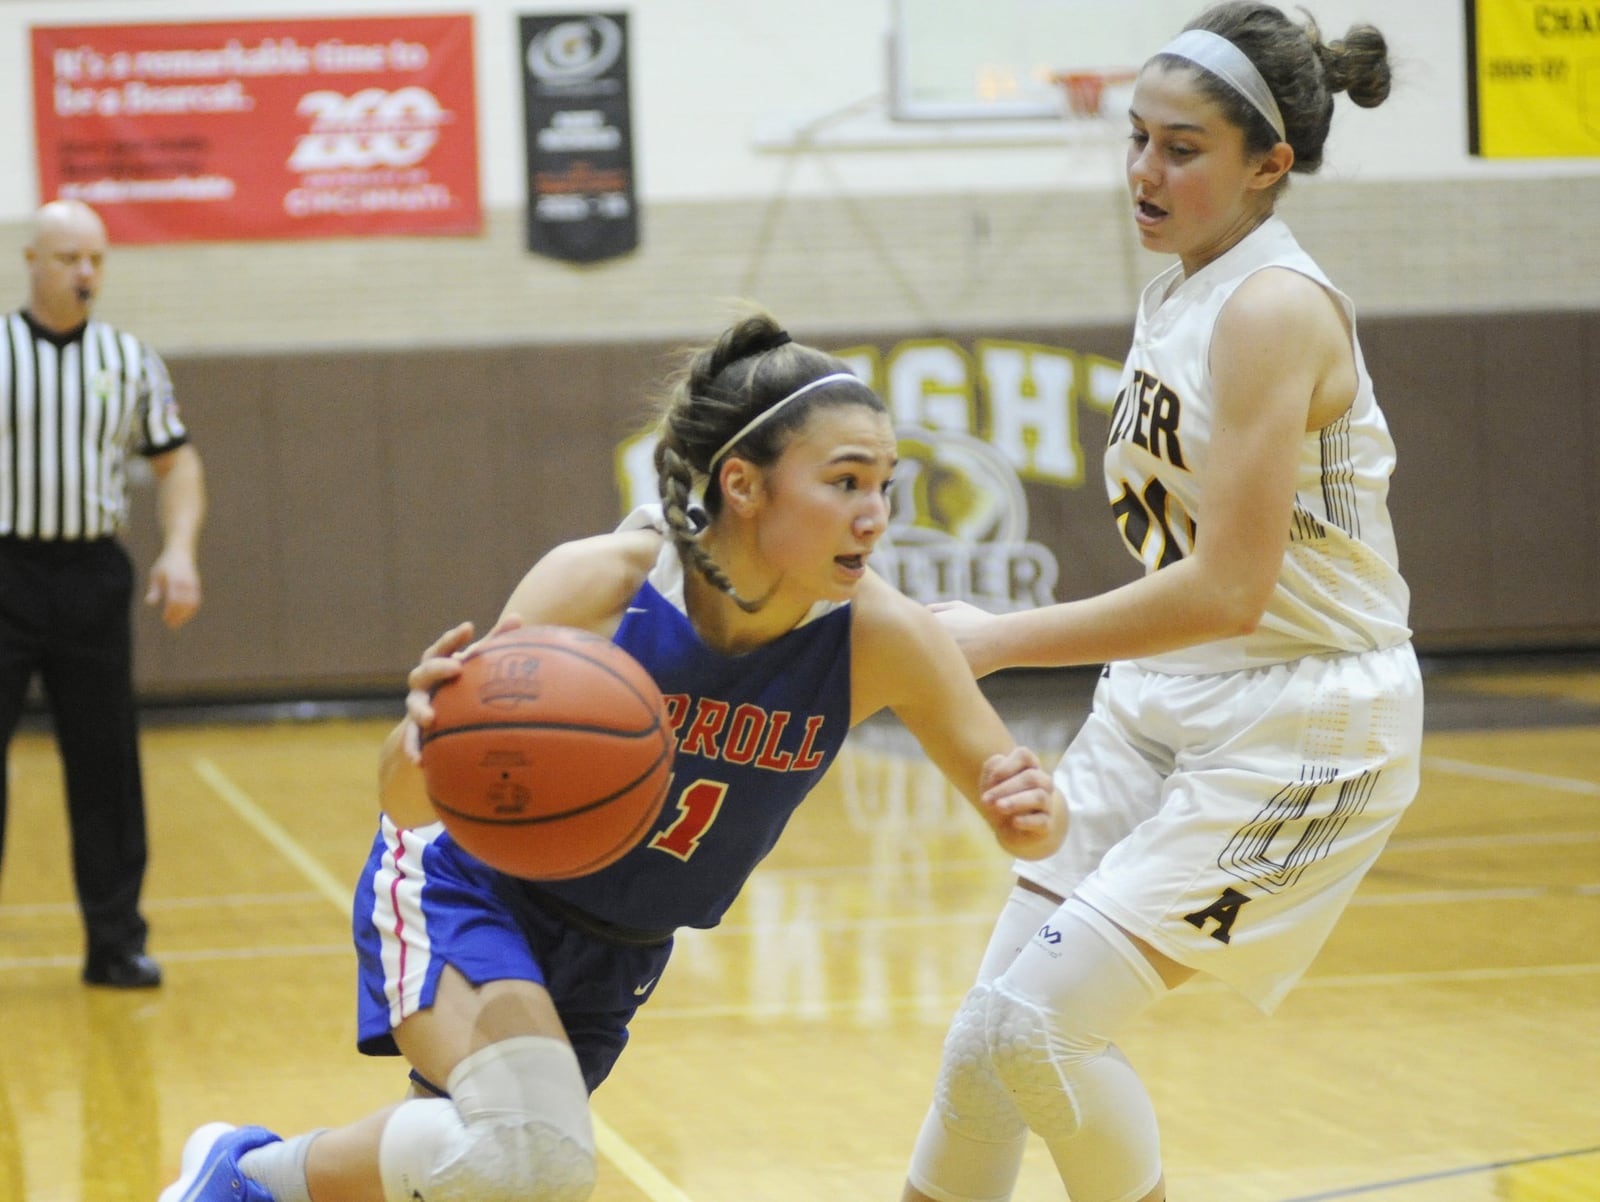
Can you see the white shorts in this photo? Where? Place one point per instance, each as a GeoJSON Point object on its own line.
{"type": "Point", "coordinates": [1227, 819]}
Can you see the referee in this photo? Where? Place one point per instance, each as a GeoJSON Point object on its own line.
{"type": "Point", "coordinates": [76, 397]}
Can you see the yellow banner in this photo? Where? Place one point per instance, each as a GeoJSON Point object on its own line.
{"type": "Point", "coordinates": [1536, 79]}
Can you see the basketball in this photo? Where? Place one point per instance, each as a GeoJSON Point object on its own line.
{"type": "Point", "coordinates": [549, 755]}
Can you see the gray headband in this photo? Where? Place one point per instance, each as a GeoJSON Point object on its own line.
{"type": "Point", "coordinates": [837, 377]}
{"type": "Point", "coordinates": [700, 481]}
{"type": "Point", "coordinates": [1228, 63]}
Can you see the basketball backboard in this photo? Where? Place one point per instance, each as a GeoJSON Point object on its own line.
{"type": "Point", "coordinates": [960, 60]}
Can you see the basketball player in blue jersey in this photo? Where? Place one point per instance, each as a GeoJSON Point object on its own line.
{"type": "Point", "coordinates": [1257, 733]}
{"type": "Point", "coordinates": [746, 591]}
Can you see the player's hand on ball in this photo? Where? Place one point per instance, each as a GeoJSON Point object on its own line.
{"type": "Point", "coordinates": [1028, 815]}
{"type": "Point", "coordinates": [439, 663]}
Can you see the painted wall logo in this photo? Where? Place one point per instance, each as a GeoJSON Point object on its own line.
{"type": "Point", "coordinates": [960, 526]}
{"type": "Point", "coordinates": [978, 428]}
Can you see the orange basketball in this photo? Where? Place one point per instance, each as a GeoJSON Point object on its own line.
{"type": "Point", "coordinates": [549, 755]}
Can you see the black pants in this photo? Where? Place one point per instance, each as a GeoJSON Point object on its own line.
{"type": "Point", "coordinates": [65, 616]}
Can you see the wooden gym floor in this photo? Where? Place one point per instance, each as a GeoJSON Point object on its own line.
{"type": "Point", "coordinates": [1445, 1047]}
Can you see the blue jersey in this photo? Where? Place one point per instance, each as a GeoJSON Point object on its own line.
{"type": "Point", "coordinates": [755, 734]}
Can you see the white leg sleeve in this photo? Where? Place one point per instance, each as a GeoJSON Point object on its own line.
{"type": "Point", "coordinates": [971, 1144]}
{"type": "Point", "coordinates": [1052, 1017]}
{"type": "Point", "coordinates": [949, 1166]}
{"type": "Point", "coordinates": [515, 1128]}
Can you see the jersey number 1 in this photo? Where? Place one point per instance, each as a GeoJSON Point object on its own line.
{"type": "Point", "coordinates": [698, 807]}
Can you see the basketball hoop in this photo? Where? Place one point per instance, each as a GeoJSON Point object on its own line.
{"type": "Point", "coordinates": [1084, 92]}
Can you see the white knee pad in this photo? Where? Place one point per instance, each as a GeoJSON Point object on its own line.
{"type": "Point", "coordinates": [1036, 1064]}
{"type": "Point", "coordinates": [516, 1128]}
{"type": "Point", "coordinates": [970, 1096]}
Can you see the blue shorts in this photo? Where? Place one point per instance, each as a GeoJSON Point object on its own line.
{"type": "Point", "coordinates": [423, 903]}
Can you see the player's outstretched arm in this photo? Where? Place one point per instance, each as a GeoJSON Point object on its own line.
{"type": "Point", "coordinates": [908, 663]}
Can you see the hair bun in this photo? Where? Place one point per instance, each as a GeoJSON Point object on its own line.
{"type": "Point", "coordinates": [1358, 64]}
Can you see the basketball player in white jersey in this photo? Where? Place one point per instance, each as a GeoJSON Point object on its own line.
{"type": "Point", "coordinates": [1255, 737]}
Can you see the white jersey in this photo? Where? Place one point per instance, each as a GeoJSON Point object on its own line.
{"type": "Point", "coordinates": [1340, 588]}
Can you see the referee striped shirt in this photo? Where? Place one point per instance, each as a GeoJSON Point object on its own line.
{"type": "Point", "coordinates": [72, 407]}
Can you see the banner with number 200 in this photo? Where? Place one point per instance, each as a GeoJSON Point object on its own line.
{"type": "Point", "coordinates": [282, 129]}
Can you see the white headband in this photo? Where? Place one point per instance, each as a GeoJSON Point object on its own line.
{"type": "Point", "coordinates": [755, 421]}
{"type": "Point", "coordinates": [1227, 62]}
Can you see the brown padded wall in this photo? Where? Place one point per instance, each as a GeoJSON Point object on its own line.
{"type": "Point", "coordinates": [363, 501]}
{"type": "Point", "coordinates": [1496, 499]}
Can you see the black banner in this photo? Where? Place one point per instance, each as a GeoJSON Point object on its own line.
{"type": "Point", "coordinates": [581, 205]}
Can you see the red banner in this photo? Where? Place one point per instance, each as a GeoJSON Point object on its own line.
{"type": "Point", "coordinates": [280, 129]}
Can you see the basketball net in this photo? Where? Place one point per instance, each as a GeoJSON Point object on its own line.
{"type": "Point", "coordinates": [1084, 92]}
